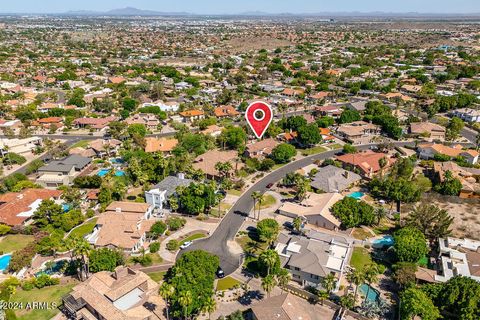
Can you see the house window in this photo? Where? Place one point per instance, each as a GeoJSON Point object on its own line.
{"type": "Point", "coordinates": [296, 276]}
{"type": "Point", "coordinates": [314, 277]}
{"type": "Point", "coordinates": [296, 269]}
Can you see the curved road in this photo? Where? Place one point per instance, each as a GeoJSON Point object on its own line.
{"type": "Point", "coordinates": [217, 243]}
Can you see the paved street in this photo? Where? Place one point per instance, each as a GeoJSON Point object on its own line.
{"type": "Point", "coordinates": [217, 243]}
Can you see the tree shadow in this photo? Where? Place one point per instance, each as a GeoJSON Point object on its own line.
{"type": "Point", "coordinates": [250, 296]}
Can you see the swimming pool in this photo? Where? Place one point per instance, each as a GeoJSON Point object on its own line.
{"type": "Point", "coordinates": [103, 173]}
{"type": "Point", "coordinates": [55, 268]}
{"type": "Point", "coordinates": [356, 195]}
{"type": "Point", "coordinates": [367, 291]}
{"type": "Point", "coordinates": [385, 241]}
{"type": "Point", "coordinates": [66, 207]}
{"type": "Point", "coordinates": [5, 261]}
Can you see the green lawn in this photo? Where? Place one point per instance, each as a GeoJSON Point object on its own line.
{"type": "Point", "coordinates": [52, 294]}
{"type": "Point", "coordinates": [81, 144]}
{"type": "Point", "coordinates": [314, 150]}
{"type": "Point", "coordinates": [234, 192]}
{"type": "Point", "coordinates": [194, 236]}
{"type": "Point", "coordinates": [157, 276]}
{"type": "Point", "coordinates": [335, 146]}
{"type": "Point", "coordinates": [227, 283]}
{"type": "Point", "coordinates": [361, 234]}
{"type": "Point", "coordinates": [83, 229]}
{"type": "Point", "coordinates": [267, 203]}
{"type": "Point", "coordinates": [14, 242]}
{"type": "Point", "coordinates": [224, 207]}
{"type": "Point", "coordinates": [360, 258]}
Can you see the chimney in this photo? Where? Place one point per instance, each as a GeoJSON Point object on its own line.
{"type": "Point", "coordinates": [118, 210]}
{"type": "Point", "coordinates": [181, 175]}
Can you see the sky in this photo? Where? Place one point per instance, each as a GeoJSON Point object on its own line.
{"type": "Point", "coordinates": [239, 6]}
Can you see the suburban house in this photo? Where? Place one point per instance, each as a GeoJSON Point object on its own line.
{"type": "Point", "coordinates": [429, 150]}
{"type": "Point", "coordinates": [192, 115]}
{"type": "Point", "coordinates": [62, 172]}
{"type": "Point", "coordinates": [212, 130]}
{"type": "Point", "coordinates": [312, 258]}
{"type": "Point", "coordinates": [93, 123]}
{"type": "Point", "coordinates": [329, 110]}
{"type": "Point", "coordinates": [20, 146]}
{"type": "Point", "coordinates": [123, 225]}
{"type": "Point", "coordinates": [333, 179]}
{"type": "Point", "coordinates": [161, 192]}
{"type": "Point", "coordinates": [358, 132]}
{"type": "Point", "coordinates": [366, 162]}
{"type": "Point", "coordinates": [105, 147]}
{"type": "Point", "coordinates": [125, 294]}
{"type": "Point", "coordinates": [207, 161]}
{"type": "Point", "coordinates": [467, 176]}
{"type": "Point", "coordinates": [315, 209]}
{"type": "Point", "coordinates": [260, 149]}
{"type": "Point", "coordinates": [17, 208]}
{"type": "Point", "coordinates": [169, 106]}
{"type": "Point", "coordinates": [467, 114]}
{"type": "Point", "coordinates": [15, 125]}
{"type": "Point", "coordinates": [458, 257]}
{"type": "Point", "coordinates": [150, 121]}
{"type": "Point", "coordinates": [50, 122]}
{"type": "Point", "coordinates": [288, 306]}
{"type": "Point", "coordinates": [428, 131]}
{"type": "Point", "coordinates": [226, 111]}
{"type": "Point", "coordinates": [160, 144]}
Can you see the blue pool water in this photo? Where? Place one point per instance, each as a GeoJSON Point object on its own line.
{"type": "Point", "coordinates": [373, 294]}
{"type": "Point", "coordinates": [4, 261]}
{"type": "Point", "coordinates": [356, 195]}
{"type": "Point", "coordinates": [386, 241]}
{"type": "Point", "coordinates": [103, 173]}
{"type": "Point", "coordinates": [117, 160]}
{"type": "Point", "coordinates": [57, 266]}
{"type": "Point", "coordinates": [66, 207]}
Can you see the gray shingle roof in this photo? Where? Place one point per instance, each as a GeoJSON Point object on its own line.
{"type": "Point", "coordinates": [65, 165]}
{"type": "Point", "coordinates": [333, 179]}
{"type": "Point", "coordinates": [171, 183]}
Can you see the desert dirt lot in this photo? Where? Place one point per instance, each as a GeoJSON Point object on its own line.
{"type": "Point", "coordinates": [466, 213]}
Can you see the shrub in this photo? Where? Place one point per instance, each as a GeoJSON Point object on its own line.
{"type": "Point", "coordinates": [158, 229]}
{"type": "Point", "coordinates": [175, 223]}
{"type": "Point", "coordinates": [173, 245]}
{"type": "Point", "coordinates": [154, 246]}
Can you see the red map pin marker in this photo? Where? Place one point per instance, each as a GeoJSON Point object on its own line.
{"type": "Point", "coordinates": [259, 115]}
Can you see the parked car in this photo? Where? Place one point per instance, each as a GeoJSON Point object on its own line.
{"type": "Point", "coordinates": [220, 273]}
{"type": "Point", "coordinates": [186, 245]}
{"type": "Point", "coordinates": [288, 225]}
{"type": "Point", "coordinates": [269, 185]}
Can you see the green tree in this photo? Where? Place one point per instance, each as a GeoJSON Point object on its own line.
{"type": "Point", "coordinates": [268, 283]}
{"type": "Point", "coordinates": [105, 259]}
{"type": "Point", "coordinates": [356, 277]}
{"type": "Point", "coordinates": [234, 137]}
{"type": "Point", "coordinates": [410, 244]}
{"type": "Point", "coordinates": [185, 300]}
{"type": "Point", "coordinates": [297, 223]}
{"type": "Point", "coordinates": [268, 230]}
{"type": "Point", "coordinates": [48, 213]}
{"type": "Point", "coordinates": [404, 274]}
{"type": "Point", "coordinates": [137, 129]}
{"type": "Point", "coordinates": [450, 185]}
{"type": "Point", "coordinates": [432, 221]}
{"type": "Point", "coordinates": [167, 291]}
{"type": "Point", "coordinates": [414, 302]}
{"type": "Point", "coordinates": [269, 258]}
{"type": "Point", "coordinates": [352, 212]}
{"type": "Point", "coordinates": [348, 148]}
{"type": "Point", "coordinates": [309, 135]}
{"type": "Point", "coordinates": [283, 278]}
{"type": "Point", "coordinates": [210, 306]}
{"type": "Point", "coordinates": [454, 128]}
{"type": "Point", "coordinates": [329, 283]}
{"type": "Point", "coordinates": [349, 115]}
{"type": "Point", "coordinates": [283, 153]}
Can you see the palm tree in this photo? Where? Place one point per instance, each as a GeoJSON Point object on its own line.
{"type": "Point", "coordinates": [80, 249]}
{"type": "Point", "coordinates": [356, 277]}
{"type": "Point", "coordinates": [185, 300]}
{"type": "Point", "coordinates": [260, 200]}
{"type": "Point", "coordinates": [329, 283]}
{"type": "Point", "coordinates": [269, 258]}
{"type": "Point", "coordinates": [322, 295]}
{"type": "Point", "coordinates": [297, 224]}
{"type": "Point", "coordinates": [381, 213]}
{"type": "Point", "coordinates": [371, 276]}
{"type": "Point", "coordinates": [167, 291]}
{"type": "Point", "coordinates": [255, 196]}
{"type": "Point", "coordinates": [209, 306]}
{"type": "Point", "coordinates": [283, 277]}
{"type": "Point", "coordinates": [268, 283]}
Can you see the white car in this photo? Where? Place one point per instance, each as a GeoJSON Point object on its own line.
{"type": "Point", "coordinates": [186, 245]}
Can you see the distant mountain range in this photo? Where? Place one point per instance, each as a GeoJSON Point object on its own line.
{"type": "Point", "coordinates": [135, 12]}
{"type": "Point", "coordinates": [125, 12]}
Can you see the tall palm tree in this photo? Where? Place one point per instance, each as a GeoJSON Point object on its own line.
{"type": "Point", "coordinates": [283, 277]}
{"type": "Point", "coordinates": [167, 291]}
{"type": "Point", "coordinates": [260, 200]}
{"type": "Point", "coordinates": [255, 196]}
{"type": "Point", "coordinates": [329, 283]}
{"type": "Point", "coordinates": [371, 276]}
{"type": "Point", "coordinates": [357, 278]}
{"type": "Point", "coordinates": [209, 306]}
{"type": "Point", "coordinates": [185, 300]}
{"type": "Point", "coordinates": [268, 283]}
{"type": "Point", "coordinates": [381, 213]}
{"type": "Point", "coordinates": [80, 249]}
{"type": "Point", "coordinates": [269, 258]}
